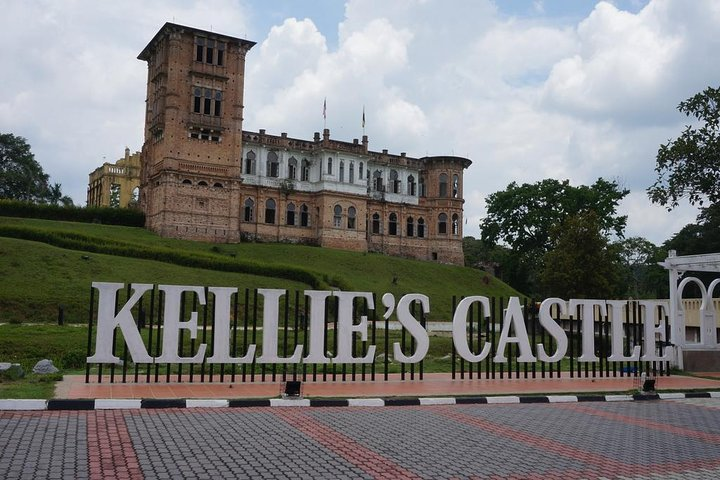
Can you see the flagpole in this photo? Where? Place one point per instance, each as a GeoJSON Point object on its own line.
{"type": "Point", "coordinates": [325, 113]}
{"type": "Point", "coordinates": [363, 121]}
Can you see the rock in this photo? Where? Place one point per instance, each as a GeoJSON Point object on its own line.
{"type": "Point", "coordinates": [11, 371]}
{"type": "Point", "coordinates": [44, 367]}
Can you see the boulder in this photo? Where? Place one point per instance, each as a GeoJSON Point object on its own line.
{"type": "Point", "coordinates": [11, 371]}
{"type": "Point", "coordinates": [44, 367]}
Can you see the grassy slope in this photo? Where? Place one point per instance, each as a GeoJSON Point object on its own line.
{"type": "Point", "coordinates": [40, 277]}
{"type": "Point", "coordinates": [37, 278]}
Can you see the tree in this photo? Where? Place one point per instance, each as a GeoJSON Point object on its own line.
{"type": "Point", "coordinates": [582, 263]}
{"type": "Point", "coordinates": [700, 237]}
{"type": "Point", "coordinates": [21, 177]}
{"type": "Point", "coordinates": [689, 166]}
{"type": "Point", "coordinates": [644, 277]}
{"type": "Point", "coordinates": [522, 217]}
{"type": "Point", "coordinates": [54, 196]}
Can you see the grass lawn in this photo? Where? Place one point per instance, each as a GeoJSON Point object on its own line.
{"type": "Point", "coordinates": [32, 386]}
{"type": "Point", "coordinates": [39, 278]}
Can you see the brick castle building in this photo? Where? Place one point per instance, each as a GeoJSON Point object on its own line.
{"type": "Point", "coordinates": [204, 178]}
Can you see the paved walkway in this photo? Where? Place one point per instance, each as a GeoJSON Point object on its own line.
{"type": "Point", "coordinates": [678, 439]}
{"type": "Point", "coordinates": [433, 384]}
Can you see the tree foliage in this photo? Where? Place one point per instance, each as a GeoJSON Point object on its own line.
{"type": "Point", "coordinates": [522, 217]}
{"type": "Point", "coordinates": [21, 176]}
{"type": "Point", "coordinates": [689, 166]}
{"type": "Point", "coordinates": [582, 262]}
{"type": "Point", "coordinates": [644, 278]}
{"type": "Point", "coordinates": [703, 236]}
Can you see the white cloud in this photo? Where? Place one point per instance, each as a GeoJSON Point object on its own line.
{"type": "Point", "coordinates": [350, 77]}
{"type": "Point", "coordinates": [627, 63]}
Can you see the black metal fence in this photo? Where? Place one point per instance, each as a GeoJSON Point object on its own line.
{"type": "Point", "coordinates": [482, 328]}
{"type": "Point", "coordinates": [293, 329]}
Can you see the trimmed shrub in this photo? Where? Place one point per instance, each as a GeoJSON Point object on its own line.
{"type": "Point", "coordinates": [104, 215]}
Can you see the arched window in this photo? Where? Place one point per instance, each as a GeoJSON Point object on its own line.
{"type": "Point", "coordinates": [329, 166]}
{"type": "Point", "coordinates": [411, 185]}
{"type": "Point", "coordinates": [304, 216]}
{"type": "Point", "coordinates": [352, 213]}
{"type": "Point", "coordinates": [410, 227]}
{"type": "Point", "coordinates": [422, 190]}
{"type": "Point", "coordinates": [455, 224]}
{"type": "Point", "coordinates": [360, 171]}
{"type": "Point", "coordinates": [421, 228]}
{"type": "Point", "coordinates": [273, 165]}
{"type": "Point", "coordinates": [290, 214]}
{"type": "Point", "coordinates": [392, 224]}
{"type": "Point", "coordinates": [443, 185]}
{"type": "Point", "coordinates": [250, 163]}
{"type": "Point", "coordinates": [305, 170]}
{"type": "Point", "coordinates": [377, 181]}
{"type": "Point", "coordinates": [218, 185]}
{"type": "Point", "coordinates": [352, 173]}
{"type": "Point", "coordinates": [456, 186]}
{"type": "Point", "coordinates": [376, 223]}
{"type": "Point", "coordinates": [394, 182]}
{"type": "Point", "coordinates": [270, 211]}
{"type": "Point", "coordinates": [337, 216]}
{"type": "Point", "coordinates": [442, 223]}
{"type": "Point", "coordinates": [342, 171]}
{"type": "Point", "coordinates": [186, 182]}
{"type": "Point", "coordinates": [249, 210]}
{"type": "Point", "coordinates": [202, 183]}
{"type": "Point", "coordinates": [292, 168]}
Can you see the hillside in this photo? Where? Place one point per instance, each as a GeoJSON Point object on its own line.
{"type": "Point", "coordinates": [51, 263]}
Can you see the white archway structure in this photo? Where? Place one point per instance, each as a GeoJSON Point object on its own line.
{"type": "Point", "coordinates": [677, 267]}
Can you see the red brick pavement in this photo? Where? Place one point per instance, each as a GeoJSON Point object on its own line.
{"type": "Point", "coordinates": [362, 457]}
{"type": "Point", "coordinates": [645, 423]}
{"type": "Point", "coordinates": [606, 467]}
{"type": "Point", "coordinates": [110, 450]}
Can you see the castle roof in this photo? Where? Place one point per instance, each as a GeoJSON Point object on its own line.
{"type": "Point", "coordinates": [174, 27]}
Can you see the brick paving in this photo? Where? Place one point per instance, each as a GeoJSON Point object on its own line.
{"type": "Point", "coordinates": [668, 439]}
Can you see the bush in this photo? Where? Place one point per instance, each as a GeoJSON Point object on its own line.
{"type": "Point", "coordinates": [73, 359]}
{"type": "Point", "coordinates": [105, 215]}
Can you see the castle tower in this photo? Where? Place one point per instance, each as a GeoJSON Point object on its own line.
{"type": "Point", "coordinates": [443, 197]}
{"type": "Point", "coordinates": [190, 163]}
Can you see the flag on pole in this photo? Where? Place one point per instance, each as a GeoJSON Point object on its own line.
{"type": "Point", "coordinates": [325, 108]}
{"type": "Point", "coordinates": [363, 118]}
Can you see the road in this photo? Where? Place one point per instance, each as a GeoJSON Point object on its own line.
{"type": "Point", "coordinates": [678, 439]}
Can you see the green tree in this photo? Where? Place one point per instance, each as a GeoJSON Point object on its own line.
{"type": "Point", "coordinates": [703, 236]}
{"type": "Point", "coordinates": [644, 277]}
{"type": "Point", "coordinates": [21, 177]}
{"type": "Point", "coordinates": [522, 217]}
{"type": "Point", "coordinates": [689, 166]}
{"type": "Point", "coordinates": [582, 263]}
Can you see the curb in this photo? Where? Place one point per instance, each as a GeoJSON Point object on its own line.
{"type": "Point", "coordinates": [159, 403]}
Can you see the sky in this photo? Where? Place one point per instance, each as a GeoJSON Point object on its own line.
{"type": "Point", "coordinates": [527, 89]}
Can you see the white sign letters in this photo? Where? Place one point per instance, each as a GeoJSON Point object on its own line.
{"type": "Point", "coordinates": [513, 329]}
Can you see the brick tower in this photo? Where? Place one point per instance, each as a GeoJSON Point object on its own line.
{"type": "Point", "coordinates": [190, 163]}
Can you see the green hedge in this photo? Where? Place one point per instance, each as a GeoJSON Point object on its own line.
{"type": "Point", "coordinates": [105, 215]}
{"type": "Point", "coordinates": [76, 241]}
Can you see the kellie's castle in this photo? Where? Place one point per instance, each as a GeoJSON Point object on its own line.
{"type": "Point", "coordinates": [203, 177]}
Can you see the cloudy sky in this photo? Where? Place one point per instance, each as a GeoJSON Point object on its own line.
{"type": "Point", "coordinates": [566, 89]}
